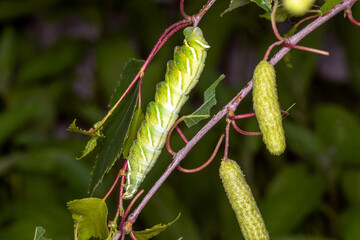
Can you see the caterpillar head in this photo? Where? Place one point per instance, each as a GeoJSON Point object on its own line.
{"type": "Point", "coordinates": [194, 38]}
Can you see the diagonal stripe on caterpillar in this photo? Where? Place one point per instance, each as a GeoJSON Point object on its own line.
{"type": "Point", "coordinates": [181, 76]}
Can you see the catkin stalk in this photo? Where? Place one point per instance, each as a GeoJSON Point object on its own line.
{"type": "Point", "coordinates": [242, 201]}
{"type": "Point", "coordinates": [267, 109]}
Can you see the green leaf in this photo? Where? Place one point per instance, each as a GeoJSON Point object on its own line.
{"type": "Point", "coordinates": [203, 111]}
{"type": "Point", "coordinates": [281, 15]}
{"type": "Point", "coordinates": [7, 57]}
{"type": "Point", "coordinates": [154, 231]}
{"type": "Point", "coordinates": [235, 4]}
{"type": "Point", "coordinates": [329, 4]}
{"type": "Point", "coordinates": [39, 232]}
{"type": "Point", "coordinates": [264, 4]}
{"type": "Point", "coordinates": [116, 127]}
{"type": "Point", "coordinates": [90, 146]}
{"type": "Point", "coordinates": [291, 197]}
{"type": "Point", "coordinates": [91, 213]}
{"type": "Point", "coordinates": [136, 120]}
{"type": "Point", "coordinates": [132, 67]}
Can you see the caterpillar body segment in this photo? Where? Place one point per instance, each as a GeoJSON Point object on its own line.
{"type": "Point", "coordinates": [181, 76]}
{"type": "Point", "coordinates": [242, 201]}
{"type": "Point", "coordinates": [267, 109]}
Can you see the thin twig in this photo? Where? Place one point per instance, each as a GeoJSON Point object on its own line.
{"type": "Point", "coordinates": [181, 134]}
{"type": "Point", "coordinates": [232, 105]}
{"type": "Point", "coordinates": [132, 202]}
{"type": "Point", "coordinates": [351, 18]}
{"type": "Point", "coordinates": [120, 209]}
{"type": "Point", "coordinates": [132, 236]}
{"type": "Point", "coordinates": [304, 20]}
{"type": "Point", "coordinates": [273, 21]}
{"type": "Point", "coordinates": [168, 147]}
{"type": "Point", "coordinates": [242, 116]}
{"type": "Point", "coordinates": [317, 51]}
{"type": "Point", "coordinates": [206, 163]}
{"type": "Point", "coordinates": [113, 186]}
{"type": "Point", "coordinates": [235, 126]}
{"type": "Point", "coordinates": [227, 128]}
{"type": "Point", "coordinates": [182, 11]}
{"type": "Point", "coordinates": [266, 56]}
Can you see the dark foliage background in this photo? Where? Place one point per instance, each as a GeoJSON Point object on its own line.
{"type": "Point", "coordinates": [61, 60]}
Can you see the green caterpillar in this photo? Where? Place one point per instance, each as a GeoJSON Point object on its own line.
{"type": "Point", "coordinates": [267, 109]}
{"type": "Point", "coordinates": [181, 76]}
{"type": "Point", "coordinates": [242, 201]}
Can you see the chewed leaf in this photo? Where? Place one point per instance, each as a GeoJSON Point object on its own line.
{"type": "Point", "coordinates": [136, 120]}
{"type": "Point", "coordinates": [39, 232]}
{"type": "Point", "coordinates": [76, 129]}
{"type": "Point", "coordinates": [91, 216]}
{"type": "Point", "coordinates": [154, 231]}
{"type": "Point", "coordinates": [203, 111]}
{"type": "Point", "coordinates": [116, 127]}
{"type": "Point", "coordinates": [235, 4]}
{"type": "Point", "coordinates": [90, 146]}
{"type": "Point", "coordinates": [329, 4]}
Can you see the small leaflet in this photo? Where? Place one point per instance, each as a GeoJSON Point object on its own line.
{"type": "Point", "coordinates": [39, 232]}
{"type": "Point", "coordinates": [154, 231]}
{"type": "Point", "coordinates": [203, 111]}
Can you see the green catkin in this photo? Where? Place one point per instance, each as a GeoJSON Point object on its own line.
{"type": "Point", "coordinates": [242, 201]}
{"type": "Point", "coordinates": [267, 109]}
{"type": "Point", "coordinates": [298, 7]}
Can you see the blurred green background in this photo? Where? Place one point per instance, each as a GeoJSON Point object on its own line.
{"type": "Point", "coordinates": [61, 60]}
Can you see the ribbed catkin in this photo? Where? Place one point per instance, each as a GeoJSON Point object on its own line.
{"type": "Point", "coordinates": [242, 201]}
{"type": "Point", "coordinates": [267, 109]}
